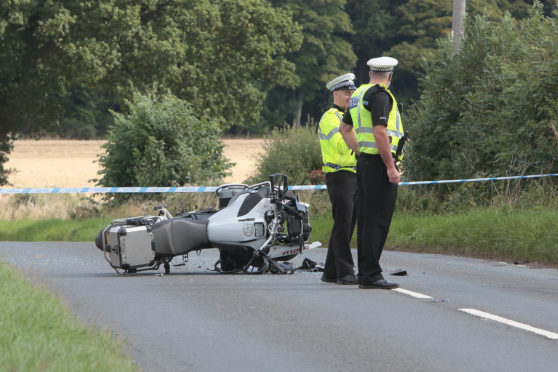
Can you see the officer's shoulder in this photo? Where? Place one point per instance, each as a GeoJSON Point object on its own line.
{"type": "Point", "coordinates": [375, 92]}
{"type": "Point", "coordinates": [333, 112]}
{"type": "Point", "coordinates": [330, 115]}
{"type": "Point", "coordinates": [375, 89]}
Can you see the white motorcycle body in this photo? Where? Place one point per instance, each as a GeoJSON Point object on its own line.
{"type": "Point", "coordinates": [249, 231]}
{"type": "Point", "coordinates": [227, 227]}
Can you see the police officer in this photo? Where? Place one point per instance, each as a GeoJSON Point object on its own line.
{"type": "Point", "coordinates": [340, 173]}
{"type": "Point", "coordinates": [373, 113]}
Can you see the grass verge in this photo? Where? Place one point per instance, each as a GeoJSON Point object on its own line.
{"type": "Point", "coordinates": [39, 334]}
{"type": "Point", "coordinates": [512, 236]}
{"type": "Point", "coordinates": [52, 229]}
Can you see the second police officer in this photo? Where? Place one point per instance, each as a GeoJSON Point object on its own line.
{"type": "Point", "coordinates": [378, 142]}
{"type": "Point", "coordinates": [339, 166]}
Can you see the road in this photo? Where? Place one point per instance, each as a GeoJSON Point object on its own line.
{"type": "Point", "coordinates": [197, 320]}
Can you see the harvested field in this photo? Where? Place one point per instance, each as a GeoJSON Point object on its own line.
{"type": "Point", "coordinates": [72, 163]}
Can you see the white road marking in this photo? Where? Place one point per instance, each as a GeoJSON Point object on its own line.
{"type": "Point", "coordinates": [482, 314]}
{"type": "Point", "coordinates": [411, 293]}
{"type": "Point", "coordinates": [496, 318]}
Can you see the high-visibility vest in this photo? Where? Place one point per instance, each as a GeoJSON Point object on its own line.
{"type": "Point", "coordinates": [336, 155]}
{"type": "Point", "coordinates": [362, 122]}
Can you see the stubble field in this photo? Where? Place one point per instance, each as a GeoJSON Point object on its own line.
{"type": "Point", "coordinates": [72, 163]}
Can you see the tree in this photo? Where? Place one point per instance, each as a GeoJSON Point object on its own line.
{"type": "Point", "coordinates": [415, 27]}
{"type": "Point", "coordinates": [235, 52]}
{"type": "Point", "coordinates": [325, 51]}
{"type": "Point", "coordinates": [375, 32]}
{"type": "Point", "coordinates": [160, 142]}
{"type": "Point", "coordinates": [222, 57]}
{"type": "Point", "coordinates": [458, 15]}
{"type": "Point", "coordinates": [486, 110]}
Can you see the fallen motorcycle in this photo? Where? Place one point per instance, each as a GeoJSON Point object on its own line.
{"type": "Point", "coordinates": [248, 229]}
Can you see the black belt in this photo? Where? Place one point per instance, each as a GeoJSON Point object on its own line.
{"type": "Point", "coordinates": [372, 156]}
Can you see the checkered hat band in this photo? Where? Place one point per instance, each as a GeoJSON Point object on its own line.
{"type": "Point", "coordinates": [346, 83]}
{"type": "Point", "coordinates": [380, 69]}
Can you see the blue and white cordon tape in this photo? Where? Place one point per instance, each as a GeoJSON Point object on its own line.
{"type": "Point", "coordinates": [132, 190]}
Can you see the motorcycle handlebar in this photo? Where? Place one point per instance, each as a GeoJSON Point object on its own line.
{"type": "Point", "coordinates": [290, 210]}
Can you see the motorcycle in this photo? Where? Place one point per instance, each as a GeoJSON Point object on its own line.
{"type": "Point", "coordinates": [248, 229]}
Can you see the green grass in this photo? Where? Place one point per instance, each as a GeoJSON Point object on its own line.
{"type": "Point", "coordinates": [52, 229]}
{"type": "Point", "coordinates": [39, 334]}
{"type": "Point", "coordinates": [519, 235]}
{"type": "Point", "coordinates": [321, 229]}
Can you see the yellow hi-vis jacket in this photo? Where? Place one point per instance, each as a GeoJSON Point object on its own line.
{"type": "Point", "coordinates": [336, 155]}
{"type": "Point", "coordinates": [362, 122]}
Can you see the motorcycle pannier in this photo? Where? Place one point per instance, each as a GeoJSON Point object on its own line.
{"type": "Point", "coordinates": [130, 247]}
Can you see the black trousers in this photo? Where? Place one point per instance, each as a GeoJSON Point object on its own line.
{"type": "Point", "coordinates": [377, 202]}
{"type": "Point", "coordinates": [342, 187]}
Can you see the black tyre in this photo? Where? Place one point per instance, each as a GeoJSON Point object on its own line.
{"type": "Point", "coordinates": [231, 262]}
{"type": "Point", "coordinates": [99, 240]}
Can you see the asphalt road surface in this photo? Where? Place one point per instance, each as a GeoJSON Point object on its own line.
{"type": "Point", "coordinates": [197, 320]}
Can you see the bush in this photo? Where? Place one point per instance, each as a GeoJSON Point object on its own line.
{"type": "Point", "coordinates": [294, 151]}
{"type": "Point", "coordinates": [463, 198]}
{"type": "Point", "coordinates": [161, 143]}
{"type": "Point", "coordinates": [485, 111]}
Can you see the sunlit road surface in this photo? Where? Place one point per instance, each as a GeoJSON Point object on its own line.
{"type": "Point", "coordinates": [451, 313]}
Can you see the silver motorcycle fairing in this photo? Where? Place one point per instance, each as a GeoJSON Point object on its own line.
{"type": "Point", "coordinates": [232, 226]}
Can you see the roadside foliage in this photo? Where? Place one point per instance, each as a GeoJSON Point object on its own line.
{"type": "Point", "coordinates": [220, 57]}
{"type": "Point", "coordinates": [160, 142]}
{"type": "Point", "coordinates": [487, 110]}
{"type": "Point", "coordinates": [291, 150]}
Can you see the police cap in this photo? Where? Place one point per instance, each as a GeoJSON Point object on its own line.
{"type": "Point", "coordinates": [342, 82]}
{"type": "Point", "coordinates": [382, 64]}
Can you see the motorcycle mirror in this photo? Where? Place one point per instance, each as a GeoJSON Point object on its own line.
{"type": "Point", "coordinates": [282, 178]}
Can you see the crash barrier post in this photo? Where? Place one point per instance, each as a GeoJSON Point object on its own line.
{"type": "Point", "coordinates": [133, 190]}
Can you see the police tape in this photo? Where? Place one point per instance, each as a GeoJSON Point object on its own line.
{"type": "Point", "coordinates": [412, 183]}
{"type": "Point", "coordinates": [134, 190]}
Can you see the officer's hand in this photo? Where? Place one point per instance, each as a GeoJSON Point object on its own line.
{"type": "Point", "coordinates": [393, 175]}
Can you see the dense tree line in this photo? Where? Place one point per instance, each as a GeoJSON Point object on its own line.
{"type": "Point", "coordinates": [404, 29]}
{"type": "Point", "coordinates": [220, 57]}
{"type": "Point", "coordinates": [246, 65]}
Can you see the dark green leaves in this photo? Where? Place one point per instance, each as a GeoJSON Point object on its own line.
{"type": "Point", "coordinates": [486, 111]}
{"type": "Point", "coordinates": [161, 143]}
